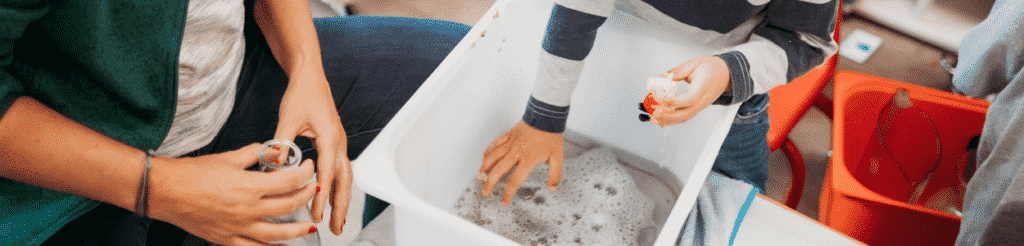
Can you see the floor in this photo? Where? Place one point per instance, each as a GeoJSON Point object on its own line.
{"type": "Point", "coordinates": [900, 57]}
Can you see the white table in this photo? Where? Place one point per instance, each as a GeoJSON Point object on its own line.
{"type": "Point", "coordinates": [770, 223]}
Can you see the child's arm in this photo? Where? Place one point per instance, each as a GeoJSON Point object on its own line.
{"type": "Point", "coordinates": [568, 39]}
{"type": "Point", "coordinates": [795, 36]}
{"type": "Point", "coordinates": [538, 137]}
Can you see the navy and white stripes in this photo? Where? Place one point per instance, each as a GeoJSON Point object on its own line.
{"type": "Point", "coordinates": [775, 42]}
{"type": "Point", "coordinates": [801, 28]}
{"type": "Point", "coordinates": [570, 33]}
{"type": "Point", "coordinates": [739, 78]}
{"type": "Point", "coordinates": [545, 117]}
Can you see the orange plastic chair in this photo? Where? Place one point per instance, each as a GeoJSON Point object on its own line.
{"type": "Point", "coordinates": [788, 103]}
{"type": "Point", "coordinates": [864, 195]}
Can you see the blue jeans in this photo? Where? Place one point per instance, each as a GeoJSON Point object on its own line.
{"type": "Point", "coordinates": [373, 66]}
{"type": "Point", "coordinates": [742, 159]}
{"type": "Point", "coordinates": [744, 154]}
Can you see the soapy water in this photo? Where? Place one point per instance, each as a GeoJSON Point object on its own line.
{"type": "Point", "coordinates": [597, 203]}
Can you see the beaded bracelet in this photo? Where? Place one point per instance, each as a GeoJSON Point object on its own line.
{"type": "Point", "coordinates": [142, 196]}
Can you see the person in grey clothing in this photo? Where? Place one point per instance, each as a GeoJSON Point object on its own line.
{"type": "Point", "coordinates": [991, 58]}
{"type": "Point", "coordinates": [759, 44]}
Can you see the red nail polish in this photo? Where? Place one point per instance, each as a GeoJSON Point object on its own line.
{"type": "Point", "coordinates": [312, 229]}
{"type": "Point", "coordinates": [342, 221]}
{"type": "Point", "coordinates": [318, 189]}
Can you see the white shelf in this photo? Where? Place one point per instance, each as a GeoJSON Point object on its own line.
{"type": "Point", "coordinates": [940, 23]}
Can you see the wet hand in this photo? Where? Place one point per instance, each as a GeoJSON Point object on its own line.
{"type": "Point", "coordinates": [215, 198]}
{"type": "Point", "coordinates": [522, 148]}
{"type": "Point", "coordinates": [308, 110]}
{"type": "Point", "coordinates": [708, 78]}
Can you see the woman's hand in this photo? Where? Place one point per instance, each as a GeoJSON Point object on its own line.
{"type": "Point", "coordinates": [523, 147]}
{"type": "Point", "coordinates": [308, 110]}
{"type": "Point", "coordinates": [215, 198]}
{"type": "Point", "coordinates": [708, 78]}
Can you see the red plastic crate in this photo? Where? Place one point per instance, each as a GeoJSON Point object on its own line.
{"type": "Point", "coordinates": [866, 200]}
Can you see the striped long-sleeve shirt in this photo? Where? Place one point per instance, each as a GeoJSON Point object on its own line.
{"type": "Point", "coordinates": [774, 41]}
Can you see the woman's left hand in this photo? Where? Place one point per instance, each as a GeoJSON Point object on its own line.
{"type": "Point", "coordinates": [308, 110]}
{"type": "Point", "coordinates": [708, 77]}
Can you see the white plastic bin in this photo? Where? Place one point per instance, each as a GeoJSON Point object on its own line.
{"type": "Point", "coordinates": [431, 149]}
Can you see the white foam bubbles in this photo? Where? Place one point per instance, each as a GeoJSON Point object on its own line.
{"type": "Point", "coordinates": [597, 203]}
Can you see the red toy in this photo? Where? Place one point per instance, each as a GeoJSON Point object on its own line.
{"type": "Point", "coordinates": [648, 107]}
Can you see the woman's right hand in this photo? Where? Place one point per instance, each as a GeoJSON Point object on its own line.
{"type": "Point", "coordinates": [523, 147]}
{"type": "Point", "coordinates": [215, 198]}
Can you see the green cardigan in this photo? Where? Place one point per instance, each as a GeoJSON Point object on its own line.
{"type": "Point", "coordinates": [110, 65]}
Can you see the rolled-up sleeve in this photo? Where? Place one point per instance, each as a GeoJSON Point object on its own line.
{"type": "Point", "coordinates": [569, 37]}
{"type": "Point", "coordinates": [796, 36]}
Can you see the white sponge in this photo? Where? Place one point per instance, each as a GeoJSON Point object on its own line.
{"type": "Point", "coordinates": [663, 87]}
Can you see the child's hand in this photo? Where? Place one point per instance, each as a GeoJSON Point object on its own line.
{"type": "Point", "coordinates": [708, 77]}
{"type": "Point", "coordinates": [523, 147]}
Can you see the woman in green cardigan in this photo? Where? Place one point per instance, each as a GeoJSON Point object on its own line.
{"type": "Point", "coordinates": [89, 87]}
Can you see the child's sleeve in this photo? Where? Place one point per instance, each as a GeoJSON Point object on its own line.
{"type": "Point", "coordinates": [569, 38]}
{"type": "Point", "coordinates": [795, 37]}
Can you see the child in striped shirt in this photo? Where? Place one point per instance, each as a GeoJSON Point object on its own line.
{"type": "Point", "coordinates": [771, 43]}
